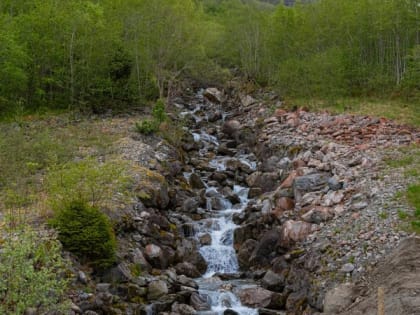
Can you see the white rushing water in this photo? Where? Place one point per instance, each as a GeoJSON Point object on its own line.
{"type": "Point", "coordinates": [219, 254]}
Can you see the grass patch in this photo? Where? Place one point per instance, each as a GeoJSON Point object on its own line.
{"type": "Point", "coordinates": [30, 149]}
{"type": "Point", "coordinates": [403, 162]}
{"type": "Point", "coordinates": [383, 215]}
{"type": "Point", "coordinates": [398, 110]}
{"type": "Point", "coordinates": [402, 215]}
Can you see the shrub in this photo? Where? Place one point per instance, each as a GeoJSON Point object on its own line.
{"type": "Point", "coordinates": [87, 180]}
{"type": "Point", "coordinates": [87, 232]}
{"type": "Point", "coordinates": [30, 268]}
{"type": "Point", "coordinates": [158, 112]}
{"type": "Point", "coordinates": [146, 127]}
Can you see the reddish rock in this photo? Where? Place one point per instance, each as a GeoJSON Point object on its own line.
{"type": "Point", "coordinates": [288, 182]}
{"type": "Point", "coordinates": [298, 164]}
{"type": "Point", "coordinates": [255, 297]}
{"type": "Point", "coordinates": [280, 113]}
{"type": "Point", "coordinates": [285, 203]}
{"type": "Point", "coordinates": [294, 231]}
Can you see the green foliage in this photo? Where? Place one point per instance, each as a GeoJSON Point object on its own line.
{"type": "Point", "coordinates": [146, 126]}
{"type": "Point", "coordinates": [94, 54]}
{"type": "Point", "coordinates": [88, 180]}
{"type": "Point", "coordinates": [87, 232]}
{"type": "Point", "coordinates": [402, 215]}
{"type": "Point", "coordinates": [31, 269]}
{"type": "Point", "coordinates": [158, 112]}
{"type": "Point", "coordinates": [149, 126]}
{"type": "Point", "coordinates": [23, 153]}
{"type": "Point", "coordinates": [413, 196]}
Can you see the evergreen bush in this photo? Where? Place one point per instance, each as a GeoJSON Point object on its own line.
{"type": "Point", "coordinates": [85, 231]}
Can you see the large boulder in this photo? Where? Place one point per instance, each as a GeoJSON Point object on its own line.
{"type": "Point", "coordinates": [213, 95]}
{"type": "Point", "coordinates": [138, 259]}
{"type": "Point", "coordinates": [187, 269]}
{"type": "Point", "coordinates": [157, 289]}
{"type": "Point", "coordinates": [339, 298]}
{"type": "Point", "coordinates": [318, 214]}
{"type": "Point", "coordinates": [183, 309]}
{"type": "Point", "coordinates": [187, 251]}
{"type": "Point", "coordinates": [307, 183]}
{"type": "Point", "coordinates": [255, 297]}
{"type": "Point", "coordinates": [231, 128]}
{"type": "Point", "coordinates": [273, 281]}
{"type": "Point", "coordinates": [294, 231]}
{"type": "Point", "coordinates": [154, 195]}
{"type": "Point", "coordinates": [196, 181]}
{"type": "Point", "coordinates": [266, 249]}
{"type": "Point", "coordinates": [200, 302]}
{"type": "Point", "coordinates": [190, 205]}
{"type": "Point", "coordinates": [266, 181]}
{"type": "Point", "coordinates": [156, 256]}
{"type": "Point", "coordinates": [245, 252]}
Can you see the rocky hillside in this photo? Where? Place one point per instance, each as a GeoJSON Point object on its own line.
{"type": "Point", "coordinates": [318, 212]}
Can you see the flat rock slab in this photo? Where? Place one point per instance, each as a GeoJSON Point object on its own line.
{"type": "Point", "coordinates": [399, 275]}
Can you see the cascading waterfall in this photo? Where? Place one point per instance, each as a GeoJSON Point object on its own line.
{"type": "Point", "coordinates": [219, 254]}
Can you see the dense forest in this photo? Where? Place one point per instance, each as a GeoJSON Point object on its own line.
{"type": "Point", "coordinates": [77, 53]}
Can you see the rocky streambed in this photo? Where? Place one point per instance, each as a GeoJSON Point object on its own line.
{"type": "Point", "coordinates": [261, 211]}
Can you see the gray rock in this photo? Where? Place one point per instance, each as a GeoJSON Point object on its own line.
{"type": "Point", "coordinates": [183, 309]}
{"type": "Point", "coordinates": [157, 289]}
{"type": "Point", "coordinates": [318, 214]}
{"type": "Point", "coordinates": [337, 299]}
{"type": "Point", "coordinates": [308, 183]}
{"type": "Point", "coordinates": [154, 196]}
{"type": "Point", "coordinates": [190, 205]}
{"type": "Point", "coordinates": [347, 268]}
{"type": "Point", "coordinates": [187, 269]}
{"type": "Point", "coordinates": [156, 256]}
{"type": "Point", "coordinates": [266, 181]}
{"type": "Point", "coordinates": [200, 302]}
{"type": "Point", "coordinates": [359, 205]}
{"type": "Point", "coordinates": [334, 184]}
{"type": "Point", "coordinates": [187, 282]}
{"type": "Point", "coordinates": [231, 128]}
{"type": "Point", "coordinates": [245, 252]}
{"type": "Point", "coordinates": [247, 100]}
{"type": "Point", "coordinates": [196, 182]}
{"type": "Point", "coordinates": [103, 287]}
{"type": "Point", "coordinates": [81, 276]}
{"type": "Point", "coordinates": [213, 95]}
{"type": "Point", "coordinates": [266, 246]}
{"type": "Point", "coordinates": [273, 281]}
{"type": "Point", "coordinates": [31, 311]}
{"type": "Point", "coordinates": [138, 259]}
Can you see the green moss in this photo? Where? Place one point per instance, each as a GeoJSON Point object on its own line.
{"type": "Point", "coordinates": [86, 232]}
